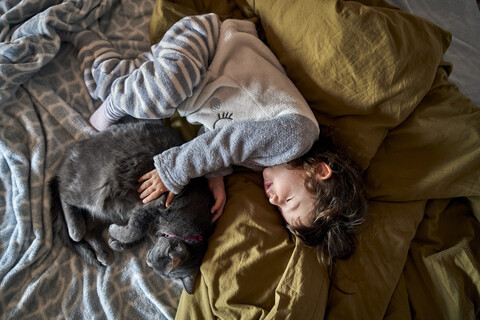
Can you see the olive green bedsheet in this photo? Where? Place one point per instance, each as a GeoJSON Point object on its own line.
{"type": "Point", "coordinates": [376, 74]}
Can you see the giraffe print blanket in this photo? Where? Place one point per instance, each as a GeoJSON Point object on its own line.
{"type": "Point", "coordinates": [45, 106]}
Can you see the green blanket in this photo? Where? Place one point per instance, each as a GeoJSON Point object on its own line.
{"type": "Point", "coordinates": [375, 74]}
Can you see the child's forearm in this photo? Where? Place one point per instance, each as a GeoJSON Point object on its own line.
{"type": "Point", "coordinates": [251, 144]}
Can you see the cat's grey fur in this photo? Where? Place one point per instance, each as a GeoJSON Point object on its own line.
{"type": "Point", "coordinates": [96, 187]}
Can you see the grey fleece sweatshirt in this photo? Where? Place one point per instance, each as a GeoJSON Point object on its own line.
{"type": "Point", "coordinates": [217, 74]}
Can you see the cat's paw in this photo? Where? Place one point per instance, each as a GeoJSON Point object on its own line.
{"type": "Point", "coordinates": [124, 234]}
{"type": "Point", "coordinates": [96, 247]}
{"type": "Point", "coordinates": [117, 232]}
{"type": "Point", "coordinates": [104, 257]}
{"type": "Point", "coordinates": [76, 234]}
{"type": "Point", "coordinates": [117, 245]}
{"type": "Point", "coordinates": [75, 226]}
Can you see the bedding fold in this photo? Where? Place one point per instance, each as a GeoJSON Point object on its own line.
{"type": "Point", "coordinates": [373, 72]}
{"type": "Point", "coordinates": [376, 75]}
{"type": "Point", "coordinates": [44, 107]}
{"type": "Point", "coordinates": [29, 36]}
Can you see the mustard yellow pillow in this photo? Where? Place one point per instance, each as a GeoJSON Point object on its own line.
{"type": "Point", "coordinates": [362, 69]}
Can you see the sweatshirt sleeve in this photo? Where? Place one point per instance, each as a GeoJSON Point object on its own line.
{"type": "Point", "coordinates": [101, 63]}
{"type": "Point", "coordinates": [253, 144]}
{"type": "Point", "coordinates": [177, 65]}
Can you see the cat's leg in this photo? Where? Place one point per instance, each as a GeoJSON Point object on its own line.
{"type": "Point", "coordinates": [102, 252]}
{"type": "Point", "coordinates": [85, 250]}
{"type": "Point", "coordinates": [74, 220]}
{"type": "Point", "coordinates": [135, 229]}
{"type": "Point", "coordinates": [119, 246]}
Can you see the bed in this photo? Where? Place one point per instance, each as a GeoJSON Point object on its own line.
{"type": "Point", "coordinates": [403, 96]}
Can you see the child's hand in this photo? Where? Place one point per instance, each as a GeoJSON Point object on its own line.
{"type": "Point", "coordinates": [217, 187]}
{"type": "Point", "coordinates": [152, 187]}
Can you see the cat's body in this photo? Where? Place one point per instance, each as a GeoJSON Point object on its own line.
{"type": "Point", "coordinates": [96, 187]}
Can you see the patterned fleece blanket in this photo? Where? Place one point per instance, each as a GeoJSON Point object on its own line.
{"type": "Point", "coordinates": [44, 105]}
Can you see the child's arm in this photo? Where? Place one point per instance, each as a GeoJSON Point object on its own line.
{"type": "Point", "coordinates": [159, 85]}
{"type": "Point", "coordinates": [152, 187]}
{"type": "Point", "coordinates": [250, 144]}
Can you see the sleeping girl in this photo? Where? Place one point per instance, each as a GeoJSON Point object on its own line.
{"type": "Point", "coordinates": [222, 76]}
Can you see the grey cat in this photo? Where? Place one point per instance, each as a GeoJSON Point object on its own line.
{"type": "Point", "coordinates": [96, 187]}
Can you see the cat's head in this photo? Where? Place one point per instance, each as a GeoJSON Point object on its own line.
{"type": "Point", "coordinates": [188, 216]}
{"type": "Point", "coordinates": [177, 258]}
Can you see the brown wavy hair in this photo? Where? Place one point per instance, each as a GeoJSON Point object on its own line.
{"type": "Point", "coordinates": [340, 202]}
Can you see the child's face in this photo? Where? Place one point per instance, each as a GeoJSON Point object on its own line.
{"type": "Point", "coordinates": [285, 188]}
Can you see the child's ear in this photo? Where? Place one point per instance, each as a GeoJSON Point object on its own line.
{"type": "Point", "coordinates": [324, 171]}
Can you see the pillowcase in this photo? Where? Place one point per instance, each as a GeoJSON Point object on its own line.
{"type": "Point", "coordinates": [167, 12]}
{"type": "Point", "coordinates": [363, 69]}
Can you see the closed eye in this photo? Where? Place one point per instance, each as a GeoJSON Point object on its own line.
{"type": "Point", "coordinates": [223, 116]}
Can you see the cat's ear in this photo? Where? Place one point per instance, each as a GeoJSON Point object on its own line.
{"type": "Point", "coordinates": [176, 261]}
{"type": "Point", "coordinates": [189, 283]}
{"type": "Point", "coordinates": [178, 255]}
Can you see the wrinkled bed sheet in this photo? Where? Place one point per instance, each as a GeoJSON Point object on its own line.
{"type": "Point", "coordinates": [418, 255]}
{"type": "Point", "coordinates": [44, 105]}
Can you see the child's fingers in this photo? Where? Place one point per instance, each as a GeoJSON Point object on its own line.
{"type": "Point", "coordinates": [146, 176]}
{"type": "Point", "coordinates": [152, 187]}
{"type": "Point", "coordinates": [169, 200]}
{"type": "Point", "coordinates": [144, 186]}
{"type": "Point", "coordinates": [151, 196]}
{"type": "Point", "coordinates": [145, 193]}
{"type": "Point", "coordinates": [217, 215]}
{"type": "Point", "coordinates": [216, 206]}
{"type": "Point", "coordinates": [217, 210]}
